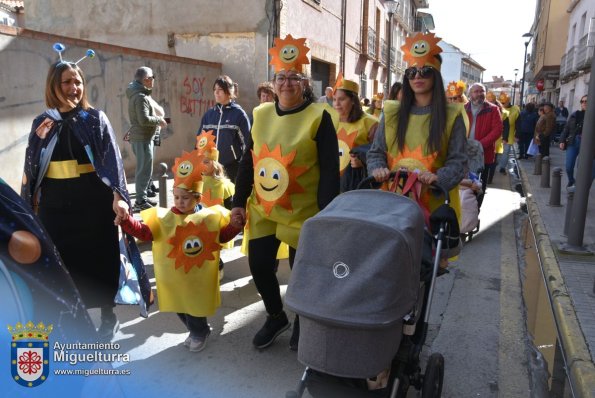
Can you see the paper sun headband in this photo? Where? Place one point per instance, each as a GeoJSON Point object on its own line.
{"type": "Point", "coordinates": [205, 144]}
{"type": "Point", "coordinates": [59, 48]}
{"type": "Point", "coordinates": [420, 50]}
{"type": "Point", "coordinates": [456, 89]}
{"type": "Point", "coordinates": [188, 170]}
{"type": "Point", "coordinates": [344, 84]}
{"type": "Point", "coordinates": [289, 54]}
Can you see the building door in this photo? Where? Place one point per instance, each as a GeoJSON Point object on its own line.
{"type": "Point", "coordinates": [321, 72]}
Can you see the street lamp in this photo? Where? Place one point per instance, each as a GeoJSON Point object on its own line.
{"type": "Point", "coordinates": [391, 7]}
{"type": "Point", "coordinates": [530, 36]}
{"type": "Point", "coordinates": [516, 71]}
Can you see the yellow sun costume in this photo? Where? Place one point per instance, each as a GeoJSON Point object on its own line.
{"type": "Point", "coordinates": [186, 247]}
{"type": "Point", "coordinates": [513, 114]}
{"type": "Point", "coordinates": [354, 134]}
{"type": "Point", "coordinates": [419, 51]}
{"type": "Point", "coordinates": [415, 156]}
{"type": "Point", "coordinates": [283, 165]}
{"type": "Point", "coordinates": [186, 256]}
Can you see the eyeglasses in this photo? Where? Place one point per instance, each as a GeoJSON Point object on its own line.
{"type": "Point", "coordinates": [150, 77]}
{"type": "Point", "coordinates": [583, 101]}
{"type": "Point", "coordinates": [292, 80]}
{"type": "Point", "coordinates": [424, 72]}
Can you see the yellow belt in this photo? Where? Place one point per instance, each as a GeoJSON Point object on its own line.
{"type": "Point", "coordinates": [68, 169]}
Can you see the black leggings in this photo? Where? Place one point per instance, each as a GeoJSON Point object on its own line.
{"type": "Point", "coordinates": [262, 255]}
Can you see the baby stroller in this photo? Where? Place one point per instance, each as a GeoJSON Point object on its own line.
{"type": "Point", "coordinates": [470, 197]}
{"type": "Point", "coordinates": [364, 305]}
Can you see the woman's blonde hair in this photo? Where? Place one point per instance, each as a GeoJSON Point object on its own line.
{"type": "Point", "coordinates": [218, 171]}
{"type": "Point", "coordinates": [53, 86]}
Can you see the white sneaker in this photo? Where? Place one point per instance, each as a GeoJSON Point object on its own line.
{"type": "Point", "coordinates": [198, 343]}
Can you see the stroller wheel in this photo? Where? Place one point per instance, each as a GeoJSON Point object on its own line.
{"type": "Point", "coordinates": [434, 376]}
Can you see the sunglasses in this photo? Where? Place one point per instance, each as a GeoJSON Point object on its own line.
{"type": "Point", "coordinates": [423, 72]}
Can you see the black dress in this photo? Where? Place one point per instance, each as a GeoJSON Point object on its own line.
{"type": "Point", "coordinates": [78, 215]}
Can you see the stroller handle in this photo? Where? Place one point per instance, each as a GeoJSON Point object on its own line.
{"type": "Point", "coordinates": [371, 182]}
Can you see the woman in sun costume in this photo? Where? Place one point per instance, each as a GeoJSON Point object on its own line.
{"type": "Point", "coordinates": [422, 133]}
{"type": "Point", "coordinates": [288, 173]}
{"type": "Point", "coordinates": [355, 127]}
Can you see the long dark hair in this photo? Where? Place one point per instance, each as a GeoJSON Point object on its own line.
{"type": "Point", "coordinates": [437, 112]}
{"type": "Point", "coordinates": [356, 109]}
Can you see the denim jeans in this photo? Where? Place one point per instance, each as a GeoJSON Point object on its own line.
{"type": "Point", "coordinates": [571, 155]}
{"type": "Point", "coordinates": [503, 159]}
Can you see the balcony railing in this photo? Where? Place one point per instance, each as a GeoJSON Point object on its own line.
{"type": "Point", "coordinates": [372, 43]}
{"type": "Point", "coordinates": [393, 52]}
{"type": "Point", "coordinates": [383, 51]}
{"type": "Point", "coordinates": [584, 51]}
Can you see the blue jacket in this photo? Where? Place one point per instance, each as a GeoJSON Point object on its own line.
{"type": "Point", "coordinates": [231, 128]}
{"type": "Point", "coordinates": [526, 125]}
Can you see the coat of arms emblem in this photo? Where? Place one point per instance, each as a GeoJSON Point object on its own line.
{"type": "Point", "coordinates": [30, 353]}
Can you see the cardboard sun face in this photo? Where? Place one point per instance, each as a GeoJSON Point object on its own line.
{"type": "Point", "coordinates": [289, 54]}
{"type": "Point", "coordinates": [411, 160]}
{"type": "Point", "coordinates": [346, 142]}
{"type": "Point", "coordinates": [205, 141]}
{"type": "Point", "coordinates": [188, 169]}
{"type": "Point", "coordinates": [275, 178]}
{"type": "Point", "coordinates": [193, 245]}
{"type": "Point", "coordinates": [419, 50]}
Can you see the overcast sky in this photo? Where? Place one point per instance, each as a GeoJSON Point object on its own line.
{"type": "Point", "coordinates": [489, 30]}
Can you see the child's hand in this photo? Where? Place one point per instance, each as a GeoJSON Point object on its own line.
{"type": "Point", "coordinates": [238, 217]}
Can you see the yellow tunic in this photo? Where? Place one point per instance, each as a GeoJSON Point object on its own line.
{"type": "Point", "coordinates": [186, 257]}
{"type": "Point", "coordinates": [286, 172]}
{"type": "Point", "coordinates": [499, 145]}
{"type": "Point", "coordinates": [414, 155]}
{"type": "Point", "coordinates": [351, 135]}
{"type": "Point", "coordinates": [513, 114]}
{"type": "Point", "coordinates": [216, 190]}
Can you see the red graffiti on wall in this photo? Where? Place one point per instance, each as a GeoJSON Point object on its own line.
{"type": "Point", "coordinates": [192, 100]}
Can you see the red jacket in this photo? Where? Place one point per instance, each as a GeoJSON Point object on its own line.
{"type": "Point", "coordinates": [488, 128]}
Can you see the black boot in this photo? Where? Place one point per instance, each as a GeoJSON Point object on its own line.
{"type": "Point", "coordinates": [273, 327]}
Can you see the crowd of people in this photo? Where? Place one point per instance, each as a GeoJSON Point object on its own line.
{"type": "Point", "coordinates": [263, 173]}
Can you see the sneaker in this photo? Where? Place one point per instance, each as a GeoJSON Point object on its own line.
{"type": "Point", "coordinates": [108, 329]}
{"type": "Point", "coordinates": [153, 188]}
{"type": "Point", "coordinates": [221, 274]}
{"type": "Point", "coordinates": [198, 343]}
{"type": "Point", "coordinates": [151, 194]}
{"type": "Point", "coordinates": [151, 202]}
{"type": "Point", "coordinates": [187, 341]}
{"type": "Point", "coordinates": [295, 334]}
{"type": "Point", "coordinates": [139, 206]}
{"type": "Point", "coordinates": [273, 327]}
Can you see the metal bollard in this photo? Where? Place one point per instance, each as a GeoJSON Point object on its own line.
{"type": "Point", "coordinates": [569, 200]}
{"type": "Point", "coordinates": [545, 172]}
{"type": "Point", "coordinates": [556, 187]}
{"type": "Point", "coordinates": [163, 186]}
{"type": "Point", "coordinates": [537, 166]}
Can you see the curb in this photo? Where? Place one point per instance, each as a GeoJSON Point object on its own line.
{"type": "Point", "coordinates": [580, 369]}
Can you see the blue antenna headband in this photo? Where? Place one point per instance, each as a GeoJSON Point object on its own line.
{"type": "Point", "coordinates": [59, 48]}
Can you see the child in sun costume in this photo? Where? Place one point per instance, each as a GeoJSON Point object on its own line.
{"type": "Point", "coordinates": [217, 188]}
{"type": "Point", "coordinates": [455, 92]}
{"type": "Point", "coordinates": [289, 172]}
{"type": "Point", "coordinates": [186, 248]}
{"type": "Point", "coordinates": [429, 138]}
{"type": "Point", "coordinates": [358, 127]}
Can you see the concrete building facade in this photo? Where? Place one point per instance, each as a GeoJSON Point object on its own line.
{"type": "Point", "coordinates": [575, 66]}
{"type": "Point", "coordinates": [457, 65]}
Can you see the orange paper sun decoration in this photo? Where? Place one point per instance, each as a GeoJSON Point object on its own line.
{"type": "Point", "coordinates": [188, 169]}
{"type": "Point", "coordinates": [275, 178]}
{"type": "Point", "coordinates": [346, 142]}
{"type": "Point", "coordinates": [205, 141]}
{"type": "Point", "coordinates": [419, 50]}
{"type": "Point", "coordinates": [193, 245]}
{"type": "Point", "coordinates": [289, 54]}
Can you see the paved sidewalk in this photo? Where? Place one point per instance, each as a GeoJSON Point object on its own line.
{"type": "Point", "coordinates": [570, 278]}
